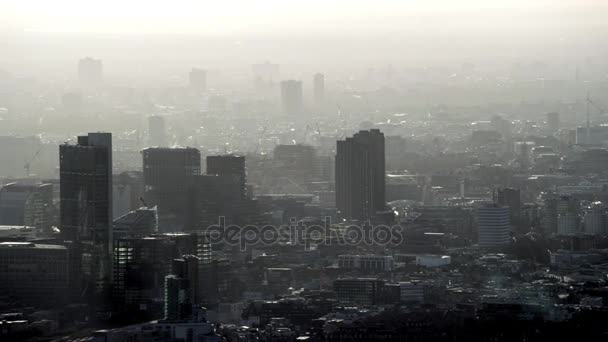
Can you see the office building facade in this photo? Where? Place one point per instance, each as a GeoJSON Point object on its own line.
{"type": "Point", "coordinates": [360, 175]}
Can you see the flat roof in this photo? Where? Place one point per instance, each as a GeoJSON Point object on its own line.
{"type": "Point", "coordinates": [19, 244]}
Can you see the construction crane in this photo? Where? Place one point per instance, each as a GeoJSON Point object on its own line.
{"type": "Point", "coordinates": [29, 162]}
{"type": "Point", "coordinates": [589, 102]}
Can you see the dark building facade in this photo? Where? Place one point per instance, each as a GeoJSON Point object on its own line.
{"type": "Point", "coordinates": [360, 175]}
{"type": "Point", "coordinates": [86, 189]}
{"type": "Point", "coordinates": [34, 274]}
{"type": "Point", "coordinates": [168, 176]}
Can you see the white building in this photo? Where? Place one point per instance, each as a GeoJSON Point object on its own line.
{"type": "Point", "coordinates": [433, 260]}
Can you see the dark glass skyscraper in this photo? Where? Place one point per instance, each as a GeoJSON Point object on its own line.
{"type": "Point", "coordinates": [86, 189]}
{"type": "Point", "coordinates": [168, 175]}
{"type": "Point", "coordinates": [360, 182]}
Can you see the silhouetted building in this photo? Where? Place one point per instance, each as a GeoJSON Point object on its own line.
{"type": "Point", "coordinates": [168, 176]}
{"type": "Point", "coordinates": [34, 274]}
{"type": "Point", "coordinates": [140, 266]}
{"type": "Point", "coordinates": [86, 189]}
{"type": "Point", "coordinates": [90, 71]}
{"type": "Point", "coordinates": [231, 166]}
{"type": "Point", "coordinates": [360, 175]}
{"type": "Point", "coordinates": [291, 98]}
{"type": "Point", "coordinates": [182, 289]}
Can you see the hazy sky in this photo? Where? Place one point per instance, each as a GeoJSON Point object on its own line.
{"type": "Point", "coordinates": [286, 16]}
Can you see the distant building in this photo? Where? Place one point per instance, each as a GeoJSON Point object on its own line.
{"type": "Point", "coordinates": [493, 225]}
{"type": "Point", "coordinates": [594, 135]}
{"type": "Point", "coordinates": [291, 98]}
{"type": "Point", "coordinates": [568, 224]}
{"type": "Point", "coordinates": [127, 192]}
{"type": "Point", "coordinates": [552, 122]}
{"type": "Point", "coordinates": [27, 205]}
{"type": "Point", "coordinates": [596, 219]}
{"type": "Point", "coordinates": [433, 260]}
{"type": "Point", "coordinates": [295, 162]}
{"type": "Point", "coordinates": [360, 175]}
{"type": "Point", "coordinates": [168, 176]}
{"type": "Point", "coordinates": [90, 71]}
{"type": "Point", "coordinates": [157, 134]}
{"type": "Point", "coordinates": [373, 263]}
{"type": "Point", "coordinates": [265, 73]}
{"type": "Point", "coordinates": [319, 89]}
{"type": "Point", "coordinates": [358, 291]}
{"type": "Point", "coordinates": [34, 274]}
{"type": "Point", "coordinates": [511, 198]}
{"type": "Point", "coordinates": [198, 79]}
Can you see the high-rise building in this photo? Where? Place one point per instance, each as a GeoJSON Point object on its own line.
{"type": "Point", "coordinates": [86, 189]}
{"type": "Point", "coordinates": [596, 219]}
{"type": "Point", "coordinates": [568, 224]}
{"type": "Point", "coordinates": [90, 71]}
{"type": "Point", "coordinates": [291, 97]}
{"type": "Point", "coordinates": [360, 175]}
{"type": "Point", "coordinates": [552, 122]}
{"type": "Point", "coordinates": [319, 89]}
{"type": "Point", "coordinates": [85, 183]}
{"type": "Point", "coordinates": [222, 192]}
{"type": "Point", "coordinates": [157, 135]}
{"type": "Point", "coordinates": [168, 176]}
{"type": "Point", "coordinates": [493, 226]}
{"type": "Point", "coordinates": [198, 79]}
